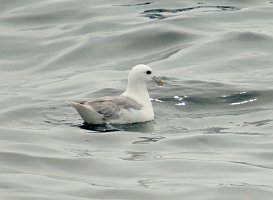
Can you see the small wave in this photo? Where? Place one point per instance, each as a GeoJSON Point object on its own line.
{"type": "Point", "coordinates": [235, 99]}
{"type": "Point", "coordinates": [160, 13]}
{"type": "Point", "coordinates": [240, 98]}
{"type": "Point", "coordinates": [136, 4]}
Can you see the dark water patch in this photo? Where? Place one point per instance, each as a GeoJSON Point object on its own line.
{"type": "Point", "coordinates": [249, 36]}
{"type": "Point", "coordinates": [253, 165]}
{"type": "Point", "coordinates": [155, 16]}
{"type": "Point", "coordinates": [258, 123]}
{"type": "Point", "coordinates": [136, 4]}
{"type": "Point", "coordinates": [215, 130]}
{"type": "Point", "coordinates": [201, 93]}
{"type": "Point", "coordinates": [195, 100]}
{"type": "Point", "coordinates": [99, 128]}
{"type": "Point", "coordinates": [141, 156]}
{"type": "Point", "coordinates": [148, 139]}
{"type": "Point", "coordinates": [160, 13]}
{"type": "Point", "coordinates": [240, 98]}
{"type": "Point", "coordinates": [134, 127]}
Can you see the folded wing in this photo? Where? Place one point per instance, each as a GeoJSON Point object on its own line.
{"type": "Point", "coordinates": [104, 109]}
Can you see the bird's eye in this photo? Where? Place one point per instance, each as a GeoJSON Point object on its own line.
{"type": "Point", "coordinates": [148, 72]}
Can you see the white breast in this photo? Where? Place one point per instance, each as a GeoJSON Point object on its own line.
{"type": "Point", "coordinates": [133, 116]}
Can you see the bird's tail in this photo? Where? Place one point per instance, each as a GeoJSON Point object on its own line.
{"type": "Point", "coordinates": [87, 113]}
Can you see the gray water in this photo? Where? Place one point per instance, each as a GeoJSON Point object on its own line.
{"type": "Point", "coordinates": [212, 136]}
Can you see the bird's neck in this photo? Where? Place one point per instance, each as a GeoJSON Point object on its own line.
{"type": "Point", "coordinates": [138, 92]}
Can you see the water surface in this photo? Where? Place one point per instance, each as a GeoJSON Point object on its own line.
{"type": "Point", "coordinates": [212, 135]}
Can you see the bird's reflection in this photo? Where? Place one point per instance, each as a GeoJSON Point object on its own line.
{"type": "Point", "coordinates": [148, 139]}
{"type": "Point", "coordinates": [135, 127]}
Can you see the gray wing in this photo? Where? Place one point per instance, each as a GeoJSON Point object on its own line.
{"type": "Point", "coordinates": [111, 107]}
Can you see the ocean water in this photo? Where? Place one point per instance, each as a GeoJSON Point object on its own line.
{"type": "Point", "coordinates": [212, 138]}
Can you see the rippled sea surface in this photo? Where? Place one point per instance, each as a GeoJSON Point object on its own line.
{"type": "Point", "coordinates": [213, 133]}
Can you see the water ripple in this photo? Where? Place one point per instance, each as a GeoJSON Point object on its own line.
{"type": "Point", "coordinates": [161, 13]}
{"type": "Point", "coordinates": [136, 4]}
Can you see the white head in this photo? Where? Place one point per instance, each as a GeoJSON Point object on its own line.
{"type": "Point", "coordinates": [137, 87]}
{"type": "Point", "coordinates": [142, 74]}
